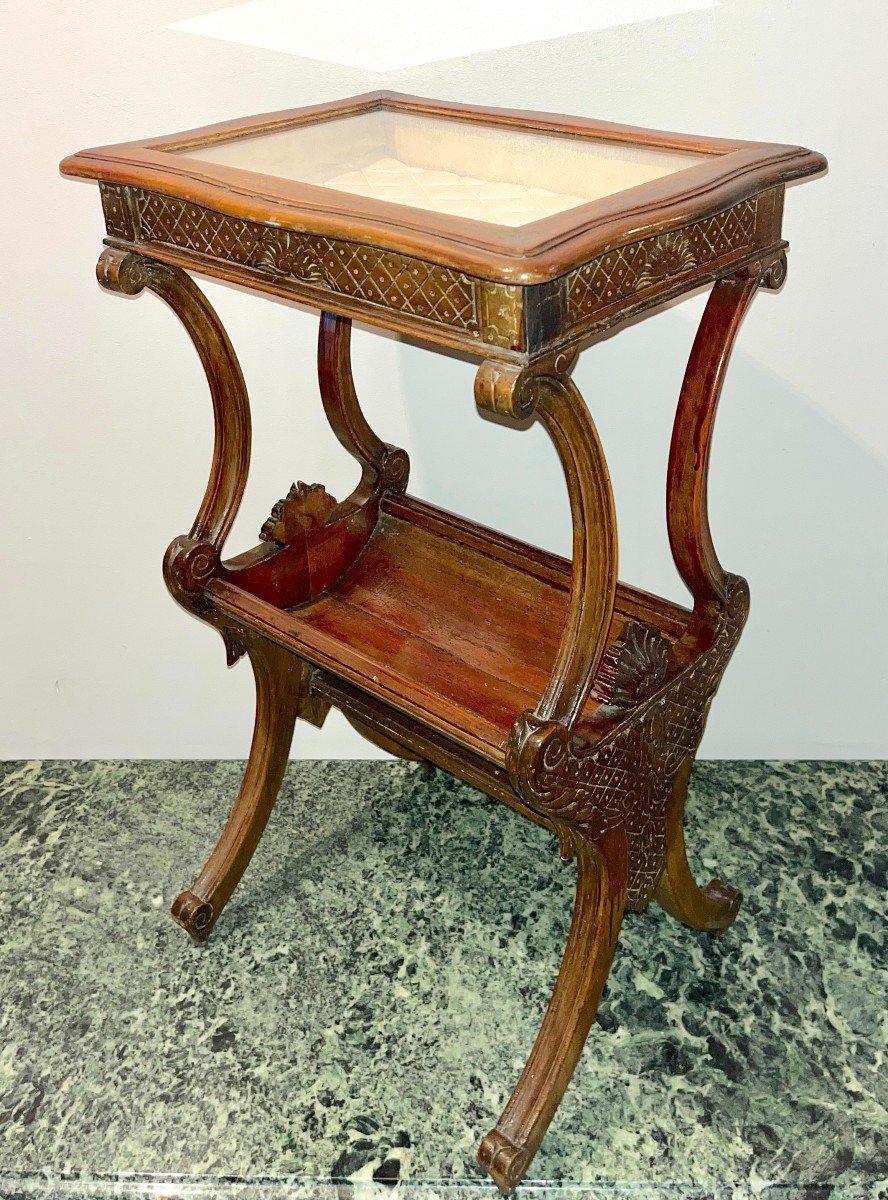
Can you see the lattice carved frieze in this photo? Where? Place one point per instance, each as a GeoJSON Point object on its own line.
{"type": "Point", "coordinates": [484, 311]}
{"type": "Point", "coordinates": [587, 782]}
{"type": "Point", "coordinates": [647, 265]}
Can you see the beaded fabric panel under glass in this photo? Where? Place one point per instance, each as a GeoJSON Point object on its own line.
{"type": "Point", "coordinates": [457, 195]}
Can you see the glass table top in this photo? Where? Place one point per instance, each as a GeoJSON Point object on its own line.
{"type": "Point", "coordinates": [462, 168]}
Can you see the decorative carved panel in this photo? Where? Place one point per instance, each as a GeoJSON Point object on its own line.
{"type": "Point", "coordinates": [488, 312]}
{"type": "Point", "coordinates": [588, 783]}
{"type": "Point", "coordinates": [630, 271]}
{"type": "Point", "coordinates": [478, 310]}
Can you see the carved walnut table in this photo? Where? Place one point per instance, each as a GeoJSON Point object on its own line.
{"type": "Point", "coordinates": [517, 238]}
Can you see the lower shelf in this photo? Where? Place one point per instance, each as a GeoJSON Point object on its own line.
{"type": "Point", "coordinates": [450, 623]}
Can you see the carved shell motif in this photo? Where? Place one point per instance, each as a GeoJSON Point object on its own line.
{"type": "Point", "coordinates": [281, 252]}
{"type": "Point", "coordinates": [623, 776]}
{"type": "Point", "coordinates": [305, 507]}
{"type": "Point", "coordinates": [633, 667]}
{"type": "Point", "coordinates": [668, 256]}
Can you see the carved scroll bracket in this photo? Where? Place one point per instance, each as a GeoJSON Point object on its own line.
{"type": "Point", "coordinates": [509, 389]}
{"type": "Point", "coordinates": [773, 276]}
{"type": "Point", "coordinates": [188, 567]}
{"type": "Point", "coordinates": [120, 271]}
{"type": "Point", "coordinates": [769, 271]}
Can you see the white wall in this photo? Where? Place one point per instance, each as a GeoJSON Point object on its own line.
{"type": "Point", "coordinates": [106, 427]}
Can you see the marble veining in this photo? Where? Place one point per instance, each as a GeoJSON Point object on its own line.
{"type": "Point", "coordinates": [368, 998]}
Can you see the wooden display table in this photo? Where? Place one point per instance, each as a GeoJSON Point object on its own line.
{"type": "Point", "coordinates": [576, 700]}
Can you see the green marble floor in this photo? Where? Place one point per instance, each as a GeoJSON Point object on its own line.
{"type": "Point", "coordinates": [368, 999]}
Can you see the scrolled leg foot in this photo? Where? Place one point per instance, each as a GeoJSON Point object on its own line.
{"type": "Point", "coordinates": [725, 904]}
{"type": "Point", "coordinates": [711, 909]}
{"type": "Point", "coordinates": [504, 1162]}
{"type": "Point", "coordinates": [281, 689]}
{"type": "Point", "coordinates": [196, 916]}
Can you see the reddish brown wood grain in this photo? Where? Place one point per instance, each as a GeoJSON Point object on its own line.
{"type": "Point", "coordinates": [576, 700]}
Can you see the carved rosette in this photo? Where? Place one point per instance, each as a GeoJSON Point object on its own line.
{"type": "Point", "coordinates": [588, 783]}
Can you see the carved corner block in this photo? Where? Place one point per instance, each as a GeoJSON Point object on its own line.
{"type": "Point", "coordinates": [117, 209]}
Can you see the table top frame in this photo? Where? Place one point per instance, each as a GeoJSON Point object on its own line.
{"type": "Point", "coordinates": [529, 254]}
{"type": "Point", "coordinates": [509, 294]}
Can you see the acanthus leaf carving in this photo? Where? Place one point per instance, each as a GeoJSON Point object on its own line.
{"type": "Point", "coordinates": [668, 255]}
{"type": "Point", "coordinates": [589, 780]}
{"type": "Point", "coordinates": [235, 646]}
{"type": "Point", "coordinates": [648, 266]}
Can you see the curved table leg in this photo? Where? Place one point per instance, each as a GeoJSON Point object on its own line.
{"type": "Point", "coordinates": [506, 1152]}
{"type": "Point", "coordinates": [547, 391]}
{"type": "Point", "coordinates": [687, 504]}
{"type": "Point", "coordinates": [383, 467]}
{"type": "Point", "coordinates": [191, 562]}
{"type": "Point", "coordinates": [128, 272]}
{"type": "Point", "coordinates": [687, 515]}
{"type": "Point", "coordinates": [194, 558]}
{"type": "Point", "coordinates": [713, 908]}
{"type": "Point", "coordinates": [281, 684]}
